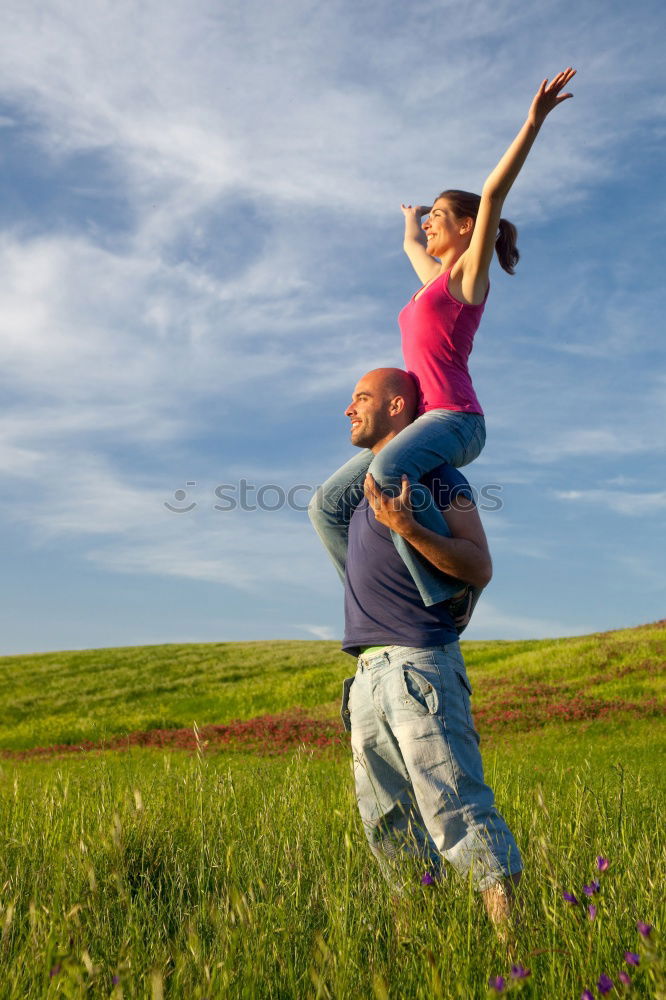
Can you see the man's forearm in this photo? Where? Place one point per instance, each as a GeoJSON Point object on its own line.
{"type": "Point", "coordinates": [457, 557]}
{"type": "Point", "coordinates": [464, 555]}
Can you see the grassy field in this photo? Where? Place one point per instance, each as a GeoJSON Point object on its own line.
{"type": "Point", "coordinates": [224, 873]}
{"type": "Point", "coordinates": [96, 695]}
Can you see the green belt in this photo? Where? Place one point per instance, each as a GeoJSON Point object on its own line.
{"type": "Point", "coordinates": [371, 649]}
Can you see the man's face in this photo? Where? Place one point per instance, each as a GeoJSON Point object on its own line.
{"type": "Point", "coordinates": [368, 413]}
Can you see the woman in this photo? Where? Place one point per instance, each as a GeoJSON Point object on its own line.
{"type": "Point", "coordinates": [451, 253]}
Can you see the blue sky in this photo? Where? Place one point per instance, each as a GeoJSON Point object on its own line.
{"type": "Point", "coordinates": [200, 252]}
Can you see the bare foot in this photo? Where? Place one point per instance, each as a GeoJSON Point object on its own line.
{"type": "Point", "coordinates": [500, 901]}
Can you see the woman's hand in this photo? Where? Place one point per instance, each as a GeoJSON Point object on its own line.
{"type": "Point", "coordinates": [548, 97]}
{"type": "Point", "coordinates": [415, 211]}
{"type": "Point", "coordinates": [476, 259]}
{"type": "Point", "coordinates": [414, 243]}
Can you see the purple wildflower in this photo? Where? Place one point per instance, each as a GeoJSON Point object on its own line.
{"type": "Point", "coordinates": [591, 911]}
{"type": "Point", "coordinates": [586, 995]}
{"type": "Point", "coordinates": [519, 972]}
{"type": "Point", "coordinates": [624, 978]}
{"type": "Point", "coordinates": [631, 958]}
{"type": "Point", "coordinates": [602, 863]}
{"type": "Point", "coordinates": [55, 970]}
{"type": "Point", "coordinates": [497, 983]}
{"type": "Point", "coordinates": [570, 898]}
{"type": "Point", "coordinates": [427, 879]}
{"type": "Point", "coordinates": [644, 929]}
{"type": "Point", "coordinates": [593, 887]}
{"type": "Point", "coordinates": [604, 984]}
{"type": "Point", "coordinates": [115, 980]}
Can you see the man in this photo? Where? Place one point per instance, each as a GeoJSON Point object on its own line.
{"type": "Point", "coordinates": [417, 767]}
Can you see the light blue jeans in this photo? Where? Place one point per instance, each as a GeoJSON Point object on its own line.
{"type": "Point", "coordinates": [434, 438]}
{"type": "Point", "coordinates": [417, 768]}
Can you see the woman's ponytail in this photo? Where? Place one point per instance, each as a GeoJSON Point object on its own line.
{"type": "Point", "coordinates": [465, 205]}
{"type": "Point", "coordinates": [505, 245]}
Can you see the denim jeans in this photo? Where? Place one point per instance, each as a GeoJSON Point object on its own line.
{"type": "Point", "coordinates": [417, 768]}
{"type": "Point", "coordinates": [434, 438]}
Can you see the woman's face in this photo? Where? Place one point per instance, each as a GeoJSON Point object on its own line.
{"type": "Point", "coordinates": [443, 230]}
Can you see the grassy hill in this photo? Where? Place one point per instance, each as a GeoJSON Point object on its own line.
{"type": "Point", "coordinates": [97, 695]}
{"type": "Point", "coordinates": [150, 874]}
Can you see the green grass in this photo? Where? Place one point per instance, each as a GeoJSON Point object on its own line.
{"type": "Point", "coordinates": [93, 694]}
{"type": "Point", "coordinates": [235, 875]}
{"type": "Point", "coordinates": [245, 877]}
{"type": "Point", "coordinates": [70, 697]}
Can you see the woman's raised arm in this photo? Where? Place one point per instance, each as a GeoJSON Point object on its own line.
{"type": "Point", "coordinates": [414, 243]}
{"type": "Point", "coordinates": [475, 262]}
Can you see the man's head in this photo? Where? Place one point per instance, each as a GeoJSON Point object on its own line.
{"type": "Point", "coordinates": [383, 403]}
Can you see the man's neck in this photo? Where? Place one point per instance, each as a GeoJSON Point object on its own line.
{"type": "Point", "coordinates": [377, 447]}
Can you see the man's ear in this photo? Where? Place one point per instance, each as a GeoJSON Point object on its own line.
{"type": "Point", "coordinates": [397, 405]}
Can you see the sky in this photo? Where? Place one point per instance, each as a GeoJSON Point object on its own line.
{"type": "Point", "coordinates": [201, 252]}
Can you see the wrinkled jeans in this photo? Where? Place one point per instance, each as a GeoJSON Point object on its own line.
{"type": "Point", "coordinates": [417, 767]}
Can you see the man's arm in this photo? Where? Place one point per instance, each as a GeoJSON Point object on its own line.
{"type": "Point", "coordinates": [464, 556]}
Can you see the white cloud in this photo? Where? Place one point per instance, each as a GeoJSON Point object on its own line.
{"type": "Point", "coordinates": [206, 99]}
{"type": "Point", "coordinates": [297, 130]}
{"type": "Point", "coordinates": [630, 504]}
{"type": "Point", "coordinates": [16, 460]}
{"type": "Point", "coordinates": [196, 102]}
{"type": "Point", "coordinates": [231, 553]}
{"type": "Point", "coordinates": [641, 567]}
{"type": "Point", "coordinates": [594, 441]}
{"type": "Point", "coordinates": [121, 524]}
{"type": "Point", "coordinates": [318, 631]}
{"type": "Point", "coordinates": [491, 622]}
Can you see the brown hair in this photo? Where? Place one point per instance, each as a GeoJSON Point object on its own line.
{"type": "Point", "coordinates": [465, 205]}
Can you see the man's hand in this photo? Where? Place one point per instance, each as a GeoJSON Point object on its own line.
{"type": "Point", "coordinates": [394, 512]}
{"type": "Point", "coordinates": [461, 607]}
{"type": "Point", "coordinates": [464, 555]}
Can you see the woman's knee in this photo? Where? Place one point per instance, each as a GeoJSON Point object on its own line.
{"type": "Point", "coordinates": [384, 471]}
{"type": "Point", "coordinates": [315, 506]}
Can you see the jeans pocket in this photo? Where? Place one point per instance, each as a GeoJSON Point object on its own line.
{"type": "Point", "coordinates": [418, 692]}
{"type": "Point", "coordinates": [475, 444]}
{"type": "Point", "coordinates": [481, 434]}
{"type": "Point", "coordinates": [464, 679]}
{"type": "Point", "coordinates": [465, 692]}
{"type": "Point", "coordinates": [479, 438]}
{"type": "Point", "coordinates": [345, 714]}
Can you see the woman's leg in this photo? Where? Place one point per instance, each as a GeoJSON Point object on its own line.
{"type": "Point", "coordinates": [433, 439]}
{"type": "Point", "coordinates": [333, 504]}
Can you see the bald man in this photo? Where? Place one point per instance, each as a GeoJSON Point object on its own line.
{"type": "Point", "coordinates": [417, 768]}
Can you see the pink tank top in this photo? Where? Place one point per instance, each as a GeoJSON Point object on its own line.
{"type": "Point", "coordinates": [437, 334]}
